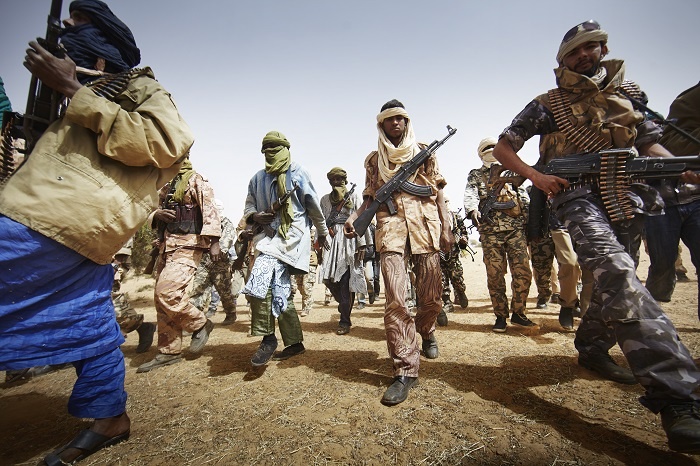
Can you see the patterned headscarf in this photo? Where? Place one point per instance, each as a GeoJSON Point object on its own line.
{"type": "Point", "coordinates": [277, 161]}
{"type": "Point", "coordinates": [588, 31]}
{"type": "Point", "coordinates": [388, 152]}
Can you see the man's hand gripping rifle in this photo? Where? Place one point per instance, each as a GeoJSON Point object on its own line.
{"type": "Point", "coordinates": [400, 181]}
{"type": "Point", "coordinates": [611, 172]}
{"type": "Point", "coordinates": [43, 103]}
{"type": "Point", "coordinates": [253, 228]}
{"type": "Point", "coordinates": [496, 183]}
{"type": "Point", "coordinates": [333, 217]}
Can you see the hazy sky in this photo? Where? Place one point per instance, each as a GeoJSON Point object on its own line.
{"type": "Point", "coordinates": [319, 71]}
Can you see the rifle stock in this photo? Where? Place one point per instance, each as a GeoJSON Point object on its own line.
{"type": "Point", "coordinates": [400, 181]}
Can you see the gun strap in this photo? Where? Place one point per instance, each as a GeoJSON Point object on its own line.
{"type": "Point", "coordinates": [612, 183]}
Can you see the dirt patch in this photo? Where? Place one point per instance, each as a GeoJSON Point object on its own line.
{"type": "Point", "coordinates": [512, 399]}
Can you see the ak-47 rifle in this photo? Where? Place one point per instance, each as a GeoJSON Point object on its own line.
{"type": "Point", "coordinates": [463, 245]}
{"type": "Point", "coordinates": [253, 228]}
{"type": "Point", "coordinates": [611, 172]}
{"type": "Point", "coordinates": [43, 103]}
{"type": "Point", "coordinates": [400, 181]}
{"type": "Point", "coordinates": [160, 234]}
{"type": "Point", "coordinates": [333, 217]}
{"type": "Point", "coordinates": [491, 202]}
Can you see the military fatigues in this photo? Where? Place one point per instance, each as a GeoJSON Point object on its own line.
{"type": "Point", "coordinates": [621, 308]}
{"type": "Point", "coordinates": [216, 274]}
{"type": "Point", "coordinates": [181, 254]}
{"type": "Point", "coordinates": [127, 318]}
{"type": "Point", "coordinates": [503, 243]}
{"type": "Point", "coordinates": [305, 283]}
{"type": "Point", "coordinates": [450, 264]}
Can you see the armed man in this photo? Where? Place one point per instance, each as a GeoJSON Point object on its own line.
{"type": "Point", "coordinates": [502, 235]}
{"type": "Point", "coordinates": [588, 111]}
{"type": "Point", "coordinates": [415, 224]}
{"type": "Point", "coordinates": [343, 264]}
{"type": "Point", "coordinates": [87, 186]}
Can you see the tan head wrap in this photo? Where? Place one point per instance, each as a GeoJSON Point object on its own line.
{"type": "Point", "coordinates": [388, 153]}
{"type": "Point", "coordinates": [486, 151]}
{"type": "Point", "coordinates": [580, 34]}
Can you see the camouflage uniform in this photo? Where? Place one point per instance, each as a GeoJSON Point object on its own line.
{"type": "Point", "coordinates": [451, 268]}
{"type": "Point", "coordinates": [127, 318]}
{"type": "Point", "coordinates": [305, 283]}
{"type": "Point", "coordinates": [503, 243]}
{"type": "Point", "coordinates": [542, 258]}
{"type": "Point", "coordinates": [181, 254]}
{"type": "Point", "coordinates": [621, 308]}
{"type": "Point", "coordinates": [216, 274]}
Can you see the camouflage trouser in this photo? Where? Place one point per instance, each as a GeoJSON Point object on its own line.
{"type": "Point", "coordinates": [175, 312]}
{"type": "Point", "coordinates": [622, 309]}
{"type": "Point", "coordinates": [127, 318]}
{"type": "Point", "coordinates": [305, 284]}
{"type": "Point", "coordinates": [400, 327]}
{"type": "Point", "coordinates": [218, 275]}
{"type": "Point", "coordinates": [452, 271]}
{"type": "Point", "coordinates": [502, 249]}
{"type": "Point", "coordinates": [542, 256]}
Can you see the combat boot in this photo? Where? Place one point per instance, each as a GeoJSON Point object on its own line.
{"type": "Point", "coordinates": [462, 299]}
{"type": "Point", "coordinates": [442, 318]}
{"type": "Point", "coordinates": [604, 365]}
{"type": "Point", "coordinates": [681, 421]}
{"type": "Point", "coordinates": [145, 331]}
{"type": "Point", "coordinates": [566, 318]}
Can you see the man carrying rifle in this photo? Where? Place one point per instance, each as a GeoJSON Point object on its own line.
{"type": "Point", "coordinates": [343, 261]}
{"type": "Point", "coordinates": [192, 228]}
{"type": "Point", "coordinates": [281, 199]}
{"type": "Point", "coordinates": [587, 112]}
{"type": "Point", "coordinates": [682, 202]}
{"type": "Point", "coordinates": [502, 236]}
{"type": "Point", "coordinates": [89, 183]}
{"type": "Point", "coordinates": [419, 228]}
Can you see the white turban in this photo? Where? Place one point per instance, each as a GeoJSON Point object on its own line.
{"type": "Point", "coordinates": [486, 151]}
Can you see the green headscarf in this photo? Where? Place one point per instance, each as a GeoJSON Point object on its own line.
{"type": "Point", "coordinates": [277, 161]}
{"type": "Point", "coordinates": [182, 180]}
{"type": "Point", "coordinates": [338, 192]}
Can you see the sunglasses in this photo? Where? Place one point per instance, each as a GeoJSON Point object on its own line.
{"type": "Point", "coordinates": [590, 25]}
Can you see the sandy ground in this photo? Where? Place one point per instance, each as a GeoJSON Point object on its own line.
{"type": "Point", "coordinates": [497, 399]}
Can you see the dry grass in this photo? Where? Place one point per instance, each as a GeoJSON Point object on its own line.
{"type": "Point", "coordinates": [512, 399]}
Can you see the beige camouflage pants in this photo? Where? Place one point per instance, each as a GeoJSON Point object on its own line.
{"type": "Point", "coordinates": [174, 310]}
{"type": "Point", "coordinates": [400, 327]}
{"type": "Point", "coordinates": [305, 284]}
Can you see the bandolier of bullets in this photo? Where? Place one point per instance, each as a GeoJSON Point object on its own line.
{"type": "Point", "coordinates": [613, 183]}
{"type": "Point", "coordinates": [7, 152]}
{"type": "Point", "coordinates": [112, 85]}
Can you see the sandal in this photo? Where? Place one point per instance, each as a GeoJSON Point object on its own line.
{"type": "Point", "coordinates": [89, 442]}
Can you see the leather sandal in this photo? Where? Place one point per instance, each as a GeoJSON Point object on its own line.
{"type": "Point", "coordinates": [89, 442]}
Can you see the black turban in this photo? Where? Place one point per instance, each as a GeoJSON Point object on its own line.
{"type": "Point", "coordinates": [106, 37]}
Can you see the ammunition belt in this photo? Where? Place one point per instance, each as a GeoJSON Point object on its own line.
{"type": "Point", "coordinates": [110, 86]}
{"type": "Point", "coordinates": [612, 184]}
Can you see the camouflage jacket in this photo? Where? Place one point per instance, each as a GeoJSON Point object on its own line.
{"type": "Point", "coordinates": [477, 191]}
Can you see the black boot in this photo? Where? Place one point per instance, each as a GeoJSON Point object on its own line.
{"type": "Point", "coordinates": [145, 331]}
{"type": "Point", "coordinates": [265, 350]}
{"type": "Point", "coordinates": [604, 365]}
{"type": "Point", "coordinates": [681, 421]}
{"type": "Point", "coordinates": [398, 391]}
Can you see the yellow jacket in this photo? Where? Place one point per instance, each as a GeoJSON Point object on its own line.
{"type": "Point", "coordinates": [93, 177]}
